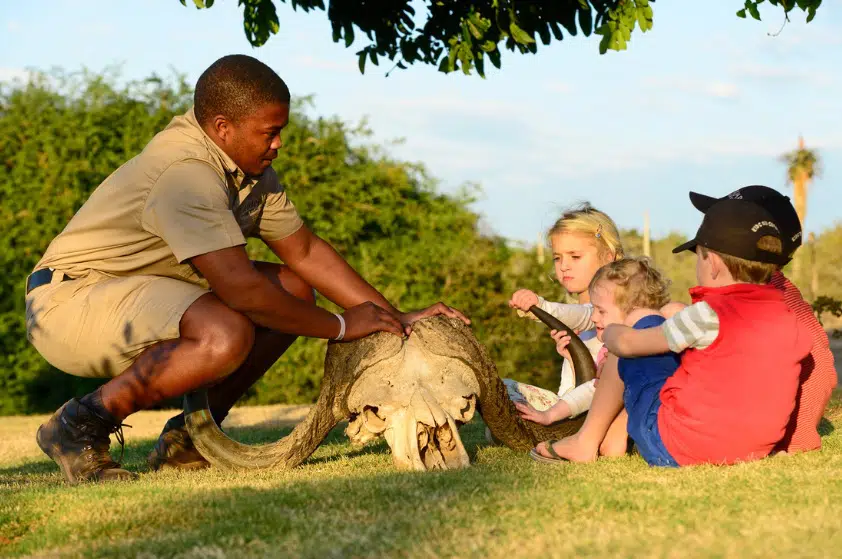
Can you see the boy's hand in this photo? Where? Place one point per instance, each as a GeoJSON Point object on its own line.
{"type": "Point", "coordinates": [562, 340]}
{"type": "Point", "coordinates": [523, 299]}
{"type": "Point", "coordinates": [531, 414]}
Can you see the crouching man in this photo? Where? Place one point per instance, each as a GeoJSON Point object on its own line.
{"type": "Point", "coordinates": [150, 284]}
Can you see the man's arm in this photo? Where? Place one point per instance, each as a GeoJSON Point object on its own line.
{"type": "Point", "coordinates": [234, 279]}
{"type": "Point", "coordinates": [318, 263]}
{"type": "Point", "coordinates": [321, 266]}
{"type": "Point", "coordinates": [625, 341]}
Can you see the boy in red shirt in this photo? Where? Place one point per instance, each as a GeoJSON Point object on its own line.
{"type": "Point", "coordinates": [818, 373]}
{"type": "Point", "coordinates": [732, 395]}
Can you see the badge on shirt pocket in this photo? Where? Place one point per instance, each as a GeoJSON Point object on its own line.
{"type": "Point", "coordinates": [248, 214]}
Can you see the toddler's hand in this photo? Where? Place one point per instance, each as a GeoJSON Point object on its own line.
{"type": "Point", "coordinates": [531, 414]}
{"type": "Point", "coordinates": [598, 372]}
{"type": "Point", "coordinates": [561, 342]}
{"type": "Point", "coordinates": [523, 299]}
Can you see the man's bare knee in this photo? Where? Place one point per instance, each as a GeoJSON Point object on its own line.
{"type": "Point", "coordinates": [224, 335]}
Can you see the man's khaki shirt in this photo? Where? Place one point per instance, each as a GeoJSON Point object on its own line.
{"type": "Point", "coordinates": [182, 196]}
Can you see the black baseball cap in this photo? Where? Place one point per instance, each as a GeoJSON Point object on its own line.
{"type": "Point", "coordinates": [772, 201]}
{"type": "Point", "coordinates": [733, 226]}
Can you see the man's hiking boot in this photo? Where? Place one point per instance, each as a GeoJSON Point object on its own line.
{"type": "Point", "coordinates": [175, 449]}
{"type": "Point", "coordinates": [77, 439]}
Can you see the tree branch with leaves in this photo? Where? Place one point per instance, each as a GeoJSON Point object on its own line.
{"type": "Point", "coordinates": [462, 35]}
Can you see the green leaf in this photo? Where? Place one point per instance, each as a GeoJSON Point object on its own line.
{"type": "Point", "coordinates": [407, 50]}
{"type": "Point", "coordinates": [494, 57]}
{"type": "Point", "coordinates": [644, 16]}
{"type": "Point", "coordinates": [488, 46]}
{"type": "Point", "coordinates": [349, 34]}
{"type": "Point", "coordinates": [520, 35]}
{"type": "Point", "coordinates": [361, 61]}
{"type": "Point", "coordinates": [451, 58]}
{"type": "Point", "coordinates": [473, 29]}
{"type": "Point", "coordinates": [568, 20]}
{"type": "Point", "coordinates": [481, 23]}
{"type": "Point", "coordinates": [752, 8]}
{"type": "Point", "coordinates": [626, 31]}
{"type": "Point", "coordinates": [444, 66]}
{"type": "Point", "coordinates": [479, 62]}
{"type": "Point", "coordinates": [741, 13]}
{"type": "Point", "coordinates": [586, 22]}
{"type": "Point", "coordinates": [556, 31]}
{"type": "Point", "coordinates": [544, 32]}
{"type": "Point", "coordinates": [604, 43]}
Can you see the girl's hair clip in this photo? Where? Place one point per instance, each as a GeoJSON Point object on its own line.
{"type": "Point", "coordinates": [599, 231]}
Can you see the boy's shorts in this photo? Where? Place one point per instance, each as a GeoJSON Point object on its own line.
{"type": "Point", "coordinates": [643, 378]}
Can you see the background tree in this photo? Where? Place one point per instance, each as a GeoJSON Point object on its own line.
{"type": "Point", "coordinates": [457, 34]}
{"type": "Point", "coordinates": [803, 165]}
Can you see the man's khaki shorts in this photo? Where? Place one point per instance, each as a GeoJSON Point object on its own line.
{"type": "Point", "coordinates": [97, 326]}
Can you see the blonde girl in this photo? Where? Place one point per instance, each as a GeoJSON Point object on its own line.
{"type": "Point", "coordinates": [583, 240]}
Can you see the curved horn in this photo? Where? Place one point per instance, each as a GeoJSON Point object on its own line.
{"type": "Point", "coordinates": [343, 365]}
{"type": "Point", "coordinates": [226, 453]}
{"type": "Point", "coordinates": [451, 338]}
{"type": "Point", "coordinates": [584, 368]}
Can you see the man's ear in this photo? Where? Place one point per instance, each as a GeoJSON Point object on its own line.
{"type": "Point", "coordinates": [221, 126]}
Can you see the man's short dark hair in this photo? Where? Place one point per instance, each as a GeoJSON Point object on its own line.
{"type": "Point", "coordinates": [235, 85]}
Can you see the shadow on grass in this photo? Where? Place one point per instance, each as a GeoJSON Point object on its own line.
{"type": "Point", "coordinates": [335, 445]}
{"type": "Point", "coordinates": [372, 512]}
{"type": "Point", "coordinates": [14, 473]}
{"type": "Point", "coordinates": [271, 430]}
{"type": "Point", "coordinates": [826, 427]}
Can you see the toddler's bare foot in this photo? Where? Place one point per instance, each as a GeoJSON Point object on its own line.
{"type": "Point", "coordinates": [571, 448]}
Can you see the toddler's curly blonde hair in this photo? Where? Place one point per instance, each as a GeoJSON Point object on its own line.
{"type": "Point", "coordinates": [639, 283]}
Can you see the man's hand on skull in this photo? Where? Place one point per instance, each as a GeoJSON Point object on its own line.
{"type": "Point", "coordinates": [408, 318]}
{"type": "Point", "coordinates": [367, 318]}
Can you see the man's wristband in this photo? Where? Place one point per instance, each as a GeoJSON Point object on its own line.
{"type": "Point", "coordinates": [341, 327]}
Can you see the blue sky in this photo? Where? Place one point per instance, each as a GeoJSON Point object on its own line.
{"type": "Point", "coordinates": [704, 101]}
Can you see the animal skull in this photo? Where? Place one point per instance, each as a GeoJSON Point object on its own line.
{"type": "Point", "coordinates": [414, 392]}
{"type": "Point", "coordinates": [416, 400]}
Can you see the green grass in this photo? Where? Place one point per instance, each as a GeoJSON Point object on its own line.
{"type": "Point", "coordinates": [347, 502]}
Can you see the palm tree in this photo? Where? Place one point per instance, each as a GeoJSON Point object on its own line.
{"type": "Point", "coordinates": [803, 165]}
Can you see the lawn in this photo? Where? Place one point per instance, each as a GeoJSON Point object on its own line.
{"type": "Point", "coordinates": [348, 502]}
